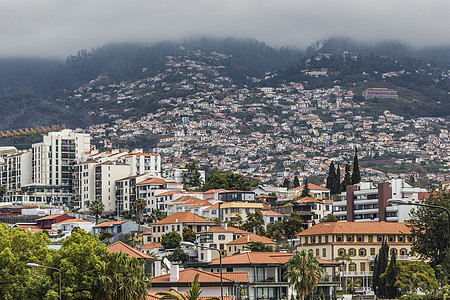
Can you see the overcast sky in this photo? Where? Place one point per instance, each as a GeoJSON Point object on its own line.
{"type": "Point", "coordinates": [57, 28]}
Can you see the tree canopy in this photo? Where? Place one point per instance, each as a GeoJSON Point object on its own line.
{"type": "Point", "coordinates": [429, 230]}
{"type": "Point", "coordinates": [96, 208]}
{"type": "Point", "coordinates": [171, 240]}
{"type": "Point", "coordinates": [192, 176]}
{"type": "Point", "coordinates": [230, 181]}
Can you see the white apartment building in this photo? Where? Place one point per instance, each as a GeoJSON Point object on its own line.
{"type": "Point", "coordinates": [51, 167]}
{"type": "Point", "coordinates": [141, 163]}
{"type": "Point", "coordinates": [15, 172]}
{"type": "Point", "coordinates": [365, 202]}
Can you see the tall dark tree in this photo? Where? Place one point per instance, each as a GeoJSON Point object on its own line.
{"type": "Point", "coordinates": [381, 263]}
{"type": "Point", "coordinates": [286, 183]}
{"type": "Point", "coordinates": [306, 192]}
{"type": "Point", "coordinates": [356, 174]}
{"type": "Point", "coordinates": [429, 230]}
{"type": "Point", "coordinates": [191, 176]}
{"type": "Point", "coordinates": [337, 182]}
{"type": "Point", "coordinates": [347, 178]}
{"type": "Point", "coordinates": [331, 179]}
{"type": "Point", "coordinates": [296, 182]}
{"type": "Point", "coordinates": [390, 278]}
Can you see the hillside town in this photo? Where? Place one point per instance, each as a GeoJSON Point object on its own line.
{"type": "Point", "coordinates": [269, 132]}
{"type": "Point", "coordinates": [234, 243]}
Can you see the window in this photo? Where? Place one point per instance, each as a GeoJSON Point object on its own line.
{"type": "Point", "coordinates": [313, 239]}
{"type": "Point", "coordinates": [370, 239]}
{"type": "Point", "coordinates": [306, 240]}
{"type": "Point", "coordinates": [349, 238]}
{"type": "Point", "coordinates": [372, 251]}
{"type": "Point", "coordinates": [320, 239]}
{"type": "Point", "coordinates": [341, 251]}
{"type": "Point", "coordinates": [362, 267]}
{"type": "Point", "coordinates": [326, 239]}
{"type": "Point", "coordinates": [352, 267]}
{"type": "Point", "coordinates": [380, 238]}
{"type": "Point", "coordinates": [391, 238]}
{"type": "Point", "coordinates": [317, 252]}
{"type": "Point", "coordinates": [360, 238]}
{"type": "Point", "coordinates": [403, 252]}
{"type": "Point", "coordinates": [351, 251]}
{"type": "Point", "coordinates": [339, 238]}
{"type": "Point", "coordinates": [221, 237]}
{"type": "Point", "coordinates": [362, 252]}
{"type": "Point", "coordinates": [401, 238]}
{"type": "Point", "coordinates": [324, 252]}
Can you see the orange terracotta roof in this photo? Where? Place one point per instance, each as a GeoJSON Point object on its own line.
{"type": "Point", "coordinates": [141, 154]}
{"type": "Point", "coordinates": [356, 228]}
{"type": "Point", "coordinates": [251, 238]}
{"type": "Point", "coordinates": [275, 258]}
{"type": "Point", "coordinates": [311, 187]}
{"type": "Point", "coordinates": [169, 193]}
{"type": "Point", "coordinates": [50, 217]}
{"type": "Point", "coordinates": [213, 191]}
{"type": "Point", "coordinates": [229, 229]}
{"type": "Point", "coordinates": [111, 223]}
{"type": "Point", "coordinates": [271, 213]}
{"type": "Point", "coordinates": [155, 296]}
{"type": "Point", "coordinates": [130, 251]}
{"type": "Point", "coordinates": [326, 261]}
{"type": "Point", "coordinates": [30, 227]}
{"type": "Point", "coordinates": [183, 198]}
{"type": "Point", "coordinates": [214, 206]}
{"type": "Point", "coordinates": [308, 200]}
{"type": "Point", "coordinates": [182, 217]}
{"type": "Point", "coordinates": [188, 275]}
{"type": "Point", "coordinates": [150, 246]}
{"type": "Point", "coordinates": [152, 181]}
{"type": "Point", "coordinates": [73, 221]}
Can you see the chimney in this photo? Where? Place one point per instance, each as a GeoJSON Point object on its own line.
{"type": "Point", "coordinates": [157, 268]}
{"type": "Point", "coordinates": [174, 273]}
{"type": "Point", "coordinates": [224, 225]}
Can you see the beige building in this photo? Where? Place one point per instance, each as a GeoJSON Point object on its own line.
{"type": "Point", "coordinates": [360, 240]}
{"type": "Point", "coordinates": [232, 211]}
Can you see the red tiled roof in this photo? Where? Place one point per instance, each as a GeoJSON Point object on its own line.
{"type": "Point", "coordinates": [124, 248]}
{"type": "Point", "coordinates": [251, 238]}
{"type": "Point", "coordinates": [356, 228]}
{"type": "Point", "coordinates": [271, 213]}
{"type": "Point", "coordinates": [214, 206]}
{"type": "Point", "coordinates": [308, 200]}
{"type": "Point", "coordinates": [150, 246]}
{"type": "Point", "coordinates": [327, 262]}
{"type": "Point", "coordinates": [111, 223]}
{"type": "Point", "coordinates": [276, 258]}
{"type": "Point", "coordinates": [188, 275]}
{"type": "Point", "coordinates": [50, 217]}
{"type": "Point", "coordinates": [73, 221]}
{"type": "Point", "coordinates": [169, 193]}
{"type": "Point", "coordinates": [155, 296]}
{"type": "Point", "coordinates": [229, 229]}
{"type": "Point", "coordinates": [182, 217]}
{"type": "Point", "coordinates": [311, 186]}
{"type": "Point", "coordinates": [152, 180]}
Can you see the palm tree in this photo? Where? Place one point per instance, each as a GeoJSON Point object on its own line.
{"type": "Point", "coordinates": [140, 208]}
{"type": "Point", "coordinates": [2, 190]}
{"type": "Point", "coordinates": [96, 208]}
{"type": "Point", "coordinates": [303, 273]}
{"type": "Point", "coordinates": [192, 294]}
{"type": "Point", "coordinates": [344, 258]}
{"type": "Point", "coordinates": [123, 279]}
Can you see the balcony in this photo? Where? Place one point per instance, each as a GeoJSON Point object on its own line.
{"type": "Point", "coordinates": [357, 273]}
{"type": "Point", "coordinates": [398, 257]}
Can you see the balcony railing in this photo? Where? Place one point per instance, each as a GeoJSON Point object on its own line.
{"type": "Point", "coordinates": [357, 273]}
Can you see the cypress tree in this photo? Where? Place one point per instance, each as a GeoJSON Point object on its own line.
{"type": "Point", "coordinates": [331, 179]}
{"type": "Point", "coordinates": [356, 174]}
{"type": "Point", "coordinates": [286, 183]}
{"type": "Point", "coordinates": [391, 278]}
{"type": "Point", "coordinates": [306, 191]}
{"type": "Point", "coordinates": [347, 178]}
{"type": "Point", "coordinates": [381, 263]}
{"type": "Point", "coordinates": [337, 183]}
{"type": "Point", "coordinates": [296, 182]}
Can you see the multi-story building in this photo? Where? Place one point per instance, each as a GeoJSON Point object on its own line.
{"type": "Point", "coordinates": [52, 162]}
{"type": "Point", "coordinates": [379, 93]}
{"type": "Point", "coordinates": [367, 202]}
{"type": "Point", "coordinates": [106, 175]}
{"type": "Point", "coordinates": [158, 192]}
{"type": "Point", "coordinates": [143, 163]}
{"type": "Point", "coordinates": [177, 222]}
{"type": "Point", "coordinates": [126, 191]}
{"type": "Point", "coordinates": [360, 240]}
{"type": "Point", "coordinates": [15, 172]}
{"type": "Point", "coordinates": [237, 211]}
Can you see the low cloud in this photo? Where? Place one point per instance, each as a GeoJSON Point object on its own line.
{"type": "Point", "coordinates": [54, 28]}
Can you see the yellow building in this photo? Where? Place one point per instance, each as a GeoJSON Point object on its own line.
{"type": "Point", "coordinates": [360, 240]}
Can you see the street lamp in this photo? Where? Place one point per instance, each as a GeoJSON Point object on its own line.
{"type": "Point", "coordinates": [405, 202]}
{"type": "Point", "coordinates": [33, 265]}
{"type": "Point", "coordinates": [189, 244]}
